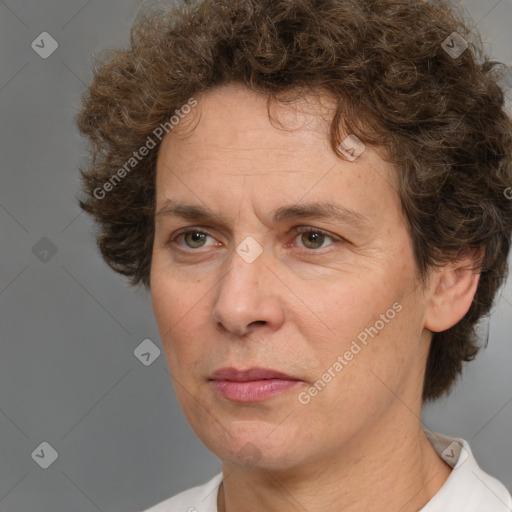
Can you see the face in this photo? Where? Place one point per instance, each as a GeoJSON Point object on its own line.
{"type": "Point", "coordinates": [271, 252]}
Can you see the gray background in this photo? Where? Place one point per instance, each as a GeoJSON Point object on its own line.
{"type": "Point", "coordinates": [69, 325]}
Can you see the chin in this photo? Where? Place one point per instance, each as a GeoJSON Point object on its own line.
{"type": "Point", "coordinates": [254, 447]}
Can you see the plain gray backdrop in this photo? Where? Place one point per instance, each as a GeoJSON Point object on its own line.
{"type": "Point", "coordinates": [69, 325]}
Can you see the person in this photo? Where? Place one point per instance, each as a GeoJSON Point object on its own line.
{"type": "Point", "coordinates": [314, 193]}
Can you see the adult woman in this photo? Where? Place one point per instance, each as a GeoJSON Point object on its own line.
{"type": "Point", "coordinates": [369, 128]}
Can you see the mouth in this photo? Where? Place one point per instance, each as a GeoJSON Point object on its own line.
{"type": "Point", "coordinates": [252, 385]}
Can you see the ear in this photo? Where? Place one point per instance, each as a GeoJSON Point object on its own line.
{"type": "Point", "coordinates": [453, 288]}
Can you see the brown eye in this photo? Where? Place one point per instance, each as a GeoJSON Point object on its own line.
{"type": "Point", "coordinates": [194, 239]}
{"type": "Point", "coordinates": [187, 240]}
{"type": "Point", "coordinates": [314, 238]}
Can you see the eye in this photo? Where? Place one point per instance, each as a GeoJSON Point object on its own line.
{"type": "Point", "coordinates": [313, 238]}
{"type": "Point", "coordinates": [193, 239]}
{"type": "Point", "coordinates": [309, 238]}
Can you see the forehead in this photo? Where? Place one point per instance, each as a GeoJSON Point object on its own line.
{"type": "Point", "coordinates": [233, 118]}
{"type": "Point", "coordinates": [293, 106]}
{"type": "Point", "coordinates": [229, 137]}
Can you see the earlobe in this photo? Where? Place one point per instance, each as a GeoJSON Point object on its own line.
{"type": "Point", "coordinates": [453, 289]}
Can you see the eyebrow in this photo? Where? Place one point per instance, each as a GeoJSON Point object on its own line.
{"type": "Point", "coordinates": [196, 213]}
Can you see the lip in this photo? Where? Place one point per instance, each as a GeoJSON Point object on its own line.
{"type": "Point", "coordinates": [252, 385]}
{"type": "Point", "coordinates": [254, 373]}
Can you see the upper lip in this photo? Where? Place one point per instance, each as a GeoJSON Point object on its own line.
{"type": "Point", "coordinates": [255, 373]}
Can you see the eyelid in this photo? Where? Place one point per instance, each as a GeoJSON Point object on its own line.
{"type": "Point", "coordinates": [312, 229]}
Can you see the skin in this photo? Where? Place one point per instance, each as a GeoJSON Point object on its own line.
{"type": "Point", "coordinates": [357, 445]}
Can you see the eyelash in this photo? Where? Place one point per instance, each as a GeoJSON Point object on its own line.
{"type": "Point", "coordinates": [298, 230]}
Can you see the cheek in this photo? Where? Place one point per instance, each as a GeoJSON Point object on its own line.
{"type": "Point", "coordinates": [354, 382]}
{"type": "Point", "coordinates": [372, 321]}
{"type": "Point", "coordinates": [181, 311]}
{"type": "Point", "coordinates": [346, 308]}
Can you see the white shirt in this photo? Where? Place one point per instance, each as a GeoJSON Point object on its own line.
{"type": "Point", "coordinates": [467, 489]}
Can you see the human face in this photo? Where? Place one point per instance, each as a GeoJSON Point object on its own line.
{"type": "Point", "coordinates": [302, 302]}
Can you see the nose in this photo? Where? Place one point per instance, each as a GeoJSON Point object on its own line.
{"type": "Point", "coordinates": [248, 296]}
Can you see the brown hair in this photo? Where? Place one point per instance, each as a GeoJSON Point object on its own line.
{"type": "Point", "coordinates": [440, 118]}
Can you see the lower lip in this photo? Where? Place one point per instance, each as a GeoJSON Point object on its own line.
{"type": "Point", "coordinates": [253, 390]}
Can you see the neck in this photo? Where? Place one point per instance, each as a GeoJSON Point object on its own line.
{"type": "Point", "coordinates": [396, 469]}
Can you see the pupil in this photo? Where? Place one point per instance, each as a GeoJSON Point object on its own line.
{"type": "Point", "coordinates": [196, 237]}
{"type": "Point", "coordinates": [314, 238]}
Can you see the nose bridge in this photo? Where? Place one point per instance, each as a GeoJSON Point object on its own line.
{"type": "Point", "coordinates": [247, 294]}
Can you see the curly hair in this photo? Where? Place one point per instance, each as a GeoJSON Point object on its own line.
{"type": "Point", "coordinates": [440, 118]}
